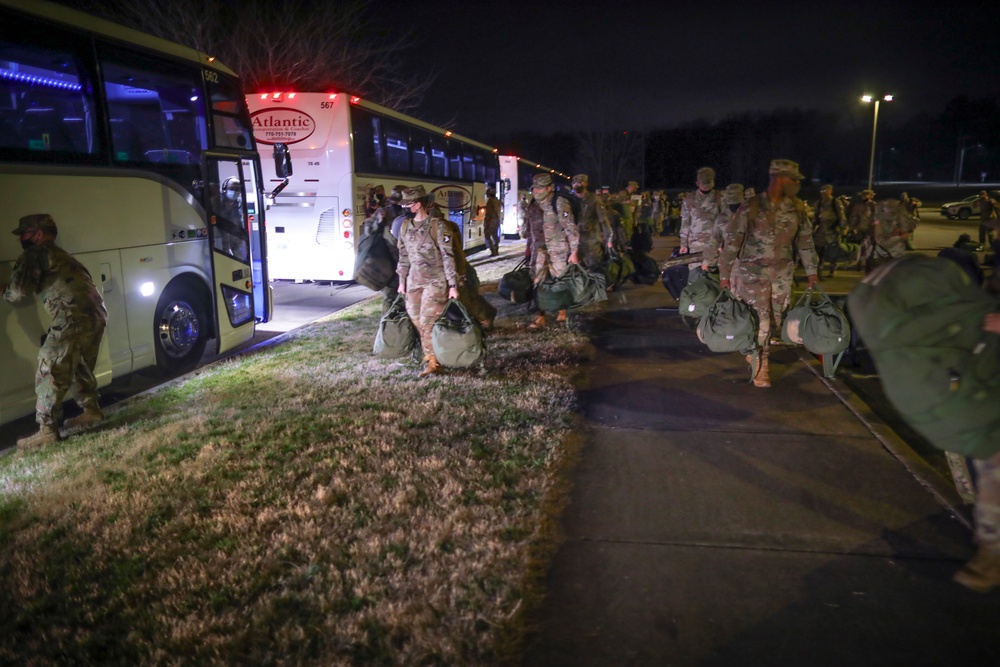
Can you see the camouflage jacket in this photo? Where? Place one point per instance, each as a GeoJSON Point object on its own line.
{"type": "Point", "coordinates": [829, 220]}
{"type": "Point", "coordinates": [62, 283]}
{"type": "Point", "coordinates": [763, 233]}
{"type": "Point", "coordinates": [594, 225]}
{"type": "Point", "coordinates": [890, 226]}
{"type": "Point", "coordinates": [492, 214]}
{"type": "Point", "coordinates": [701, 215]}
{"type": "Point", "coordinates": [554, 230]}
{"type": "Point", "coordinates": [426, 254]}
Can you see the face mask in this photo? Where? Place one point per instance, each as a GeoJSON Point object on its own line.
{"type": "Point", "coordinates": [27, 244]}
{"type": "Point", "coordinates": [578, 189]}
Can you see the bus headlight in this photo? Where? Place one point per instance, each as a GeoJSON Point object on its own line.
{"type": "Point", "coordinates": [147, 289]}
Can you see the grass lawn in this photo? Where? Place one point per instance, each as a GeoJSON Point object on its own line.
{"type": "Point", "coordinates": [308, 504]}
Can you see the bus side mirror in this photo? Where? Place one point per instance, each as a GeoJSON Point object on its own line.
{"type": "Point", "coordinates": [282, 161]}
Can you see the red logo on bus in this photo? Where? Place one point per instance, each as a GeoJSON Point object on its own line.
{"type": "Point", "coordinates": [286, 126]}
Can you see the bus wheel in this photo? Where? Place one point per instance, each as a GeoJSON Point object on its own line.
{"type": "Point", "coordinates": [180, 330]}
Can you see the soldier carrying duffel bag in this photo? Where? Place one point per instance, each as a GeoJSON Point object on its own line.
{"type": "Point", "coordinates": [457, 337]}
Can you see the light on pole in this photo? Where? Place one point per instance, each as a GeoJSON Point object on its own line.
{"type": "Point", "coordinates": [961, 161]}
{"type": "Point", "coordinates": [868, 99]}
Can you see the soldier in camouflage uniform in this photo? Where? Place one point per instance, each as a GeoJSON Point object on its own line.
{"type": "Point", "coordinates": [384, 222]}
{"type": "Point", "coordinates": [891, 225]}
{"type": "Point", "coordinates": [982, 572]}
{"type": "Point", "coordinates": [757, 255]}
{"type": "Point", "coordinates": [732, 199]}
{"type": "Point", "coordinates": [861, 214]}
{"type": "Point", "coordinates": [701, 213]}
{"type": "Point", "coordinates": [482, 310]}
{"type": "Point", "coordinates": [69, 351]}
{"type": "Point", "coordinates": [554, 236]}
{"type": "Point", "coordinates": [427, 273]}
{"type": "Point", "coordinates": [594, 225]}
{"type": "Point", "coordinates": [491, 222]}
{"type": "Point", "coordinates": [829, 223]}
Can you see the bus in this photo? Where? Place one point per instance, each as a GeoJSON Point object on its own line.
{"type": "Point", "coordinates": [342, 149]}
{"type": "Point", "coordinates": [515, 181]}
{"type": "Point", "coordinates": [143, 153]}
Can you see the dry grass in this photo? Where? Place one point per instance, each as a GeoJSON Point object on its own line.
{"type": "Point", "coordinates": [310, 504]}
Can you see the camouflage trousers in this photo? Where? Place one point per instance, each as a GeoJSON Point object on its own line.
{"type": "Point", "coordinates": [549, 264]}
{"type": "Point", "coordinates": [591, 254]}
{"type": "Point", "coordinates": [67, 360]}
{"type": "Point", "coordinates": [424, 305]}
{"type": "Point", "coordinates": [987, 509]}
{"type": "Point", "coordinates": [766, 289]}
{"type": "Point", "coordinates": [492, 232]}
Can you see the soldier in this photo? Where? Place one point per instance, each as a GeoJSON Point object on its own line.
{"type": "Point", "coordinates": [386, 221]}
{"type": "Point", "coordinates": [69, 349]}
{"type": "Point", "coordinates": [594, 225]}
{"type": "Point", "coordinates": [482, 310]}
{"type": "Point", "coordinates": [861, 214]}
{"type": "Point", "coordinates": [757, 255]}
{"type": "Point", "coordinates": [829, 224]}
{"type": "Point", "coordinates": [988, 210]}
{"type": "Point", "coordinates": [427, 273]}
{"type": "Point", "coordinates": [891, 225]}
{"type": "Point", "coordinates": [491, 222]}
{"type": "Point", "coordinates": [554, 237]}
{"type": "Point", "coordinates": [702, 211]}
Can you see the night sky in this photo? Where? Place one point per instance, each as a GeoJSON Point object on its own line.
{"type": "Point", "coordinates": [554, 65]}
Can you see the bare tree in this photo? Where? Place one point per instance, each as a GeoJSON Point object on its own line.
{"type": "Point", "coordinates": [610, 157]}
{"type": "Point", "coordinates": [287, 44]}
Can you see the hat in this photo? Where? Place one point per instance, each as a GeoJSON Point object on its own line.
{"type": "Point", "coordinates": [749, 193]}
{"type": "Point", "coordinates": [397, 192]}
{"type": "Point", "coordinates": [541, 181]}
{"type": "Point", "coordinates": [826, 186]}
{"type": "Point", "coordinates": [35, 221]}
{"type": "Point", "coordinates": [633, 184]}
{"type": "Point", "coordinates": [581, 179]}
{"type": "Point", "coordinates": [734, 194]}
{"type": "Point", "coordinates": [785, 168]}
{"type": "Point", "coordinates": [706, 171]}
{"type": "Point", "coordinates": [411, 195]}
{"type": "Point", "coordinates": [867, 192]}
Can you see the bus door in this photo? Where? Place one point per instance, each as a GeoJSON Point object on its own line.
{"type": "Point", "coordinates": [262, 298]}
{"type": "Point", "coordinates": [226, 188]}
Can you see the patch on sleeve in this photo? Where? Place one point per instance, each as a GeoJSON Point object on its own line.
{"type": "Point", "coordinates": [565, 214]}
{"type": "Point", "coordinates": [446, 238]}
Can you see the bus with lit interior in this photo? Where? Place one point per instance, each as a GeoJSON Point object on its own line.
{"type": "Point", "coordinates": [142, 152]}
{"type": "Point", "coordinates": [342, 149]}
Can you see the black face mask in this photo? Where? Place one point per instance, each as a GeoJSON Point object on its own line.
{"type": "Point", "coordinates": [27, 244]}
{"type": "Point", "coordinates": [578, 189]}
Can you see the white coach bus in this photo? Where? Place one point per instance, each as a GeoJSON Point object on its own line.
{"type": "Point", "coordinates": [342, 150]}
{"type": "Point", "coordinates": [142, 152]}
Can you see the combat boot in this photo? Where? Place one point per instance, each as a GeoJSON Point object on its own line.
{"type": "Point", "coordinates": [91, 416]}
{"type": "Point", "coordinates": [45, 436]}
{"type": "Point", "coordinates": [539, 323]}
{"type": "Point", "coordinates": [432, 366]}
{"type": "Point", "coordinates": [763, 377]}
{"type": "Point", "coordinates": [561, 317]}
{"type": "Point", "coordinates": [981, 573]}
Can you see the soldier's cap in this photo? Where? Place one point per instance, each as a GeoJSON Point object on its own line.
{"type": "Point", "coordinates": [825, 187]}
{"type": "Point", "coordinates": [35, 221]}
{"type": "Point", "coordinates": [867, 192]}
{"type": "Point", "coordinates": [581, 179]}
{"type": "Point", "coordinates": [785, 168]}
{"type": "Point", "coordinates": [634, 184]}
{"type": "Point", "coordinates": [411, 195]}
{"type": "Point", "coordinates": [541, 181]}
{"type": "Point", "coordinates": [734, 194]}
{"type": "Point", "coordinates": [397, 192]}
{"type": "Point", "coordinates": [749, 193]}
{"type": "Point", "coordinates": [707, 172]}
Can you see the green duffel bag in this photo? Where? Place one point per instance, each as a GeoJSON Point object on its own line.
{"type": "Point", "coordinates": [553, 294]}
{"type": "Point", "coordinates": [395, 336]}
{"type": "Point", "coordinates": [516, 286]}
{"type": "Point", "coordinates": [585, 288]}
{"type": "Point", "coordinates": [699, 295]}
{"type": "Point", "coordinates": [826, 329]}
{"type": "Point", "coordinates": [472, 278]}
{"type": "Point", "coordinates": [791, 325]}
{"type": "Point", "coordinates": [921, 319]}
{"type": "Point", "coordinates": [456, 337]}
{"type": "Point", "coordinates": [615, 271]}
{"type": "Point", "coordinates": [729, 325]}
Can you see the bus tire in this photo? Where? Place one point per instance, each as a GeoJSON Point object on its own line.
{"type": "Point", "coordinates": [180, 328]}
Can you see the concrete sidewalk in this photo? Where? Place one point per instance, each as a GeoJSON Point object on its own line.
{"type": "Point", "coordinates": [714, 523]}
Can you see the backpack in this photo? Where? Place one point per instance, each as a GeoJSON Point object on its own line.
{"type": "Point", "coordinates": [646, 269]}
{"type": "Point", "coordinates": [617, 268]}
{"type": "Point", "coordinates": [698, 296]}
{"type": "Point", "coordinates": [575, 204]}
{"type": "Point", "coordinates": [921, 319]}
{"type": "Point", "coordinates": [642, 238]}
{"type": "Point", "coordinates": [516, 286]}
{"type": "Point", "coordinates": [729, 325]}
{"type": "Point", "coordinates": [395, 336]}
{"type": "Point", "coordinates": [456, 337]}
{"type": "Point", "coordinates": [375, 263]}
{"type": "Point", "coordinates": [820, 325]}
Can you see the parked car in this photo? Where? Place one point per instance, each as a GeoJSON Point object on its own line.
{"type": "Point", "coordinates": [962, 210]}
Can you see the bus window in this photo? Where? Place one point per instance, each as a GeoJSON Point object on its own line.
{"type": "Point", "coordinates": [454, 159]}
{"type": "Point", "coordinates": [468, 165]}
{"type": "Point", "coordinates": [230, 119]}
{"type": "Point", "coordinates": [45, 104]}
{"type": "Point", "coordinates": [366, 130]}
{"type": "Point", "coordinates": [439, 160]}
{"type": "Point", "coordinates": [491, 172]}
{"type": "Point", "coordinates": [397, 142]}
{"type": "Point", "coordinates": [421, 142]}
{"type": "Point", "coordinates": [229, 210]}
{"type": "Point", "coordinates": [480, 167]}
{"type": "Point", "coordinates": [156, 110]}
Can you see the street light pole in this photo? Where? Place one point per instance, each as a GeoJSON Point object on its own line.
{"type": "Point", "coordinates": [867, 99]}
